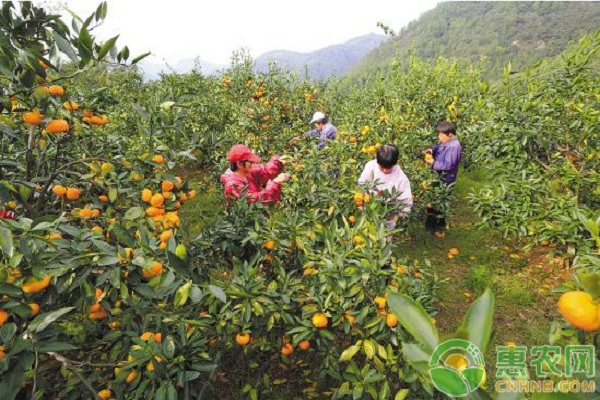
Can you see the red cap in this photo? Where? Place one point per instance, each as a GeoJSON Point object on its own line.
{"type": "Point", "coordinates": [241, 152]}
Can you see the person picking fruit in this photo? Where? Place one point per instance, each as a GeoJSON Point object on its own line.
{"type": "Point", "coordinates": [444, 158]}
{"type": "Point", "coordinates": [245, 176]}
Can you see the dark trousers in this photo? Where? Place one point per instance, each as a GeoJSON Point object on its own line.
{"type": "Point", "coordinates": [436, 220]}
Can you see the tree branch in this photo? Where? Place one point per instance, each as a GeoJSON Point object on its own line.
{"type": "Point", "coordinates": [69, 365]}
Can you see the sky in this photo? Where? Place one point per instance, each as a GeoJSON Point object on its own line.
{"type": "Point", "coordinates": [213, 30]}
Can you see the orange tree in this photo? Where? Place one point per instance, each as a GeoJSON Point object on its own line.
{"type": "Point", "coordinates": [95, 245]}
{"type": "Point", "coordinates": [539, 141]}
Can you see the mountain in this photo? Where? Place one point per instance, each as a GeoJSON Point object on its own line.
{"type": "Point", "coordinates": [334, 60]}
{"type": "Point", "coordinates": [517, 32]}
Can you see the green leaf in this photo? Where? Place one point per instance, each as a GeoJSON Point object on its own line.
{"type": "Point", "coordinates": [11, 290]}
{"type": "Point", "coordinates": [43, 320]}
{"type": "Point", "coordinates": [65, 47]}
{"type": "Point", "coordinates": [112, 196]}
{"type": "Point", "coordinates": [55, 346]}
{"type": "Point", "coordinates": [108, 260]}
{"type": "Point", "coordinates": [477, 323]}
{"type": "Point", "coordinates": [133, 213]}
{"type": "Point", "coordinates": [140, 58]}
{"type": "Point", "coordinates": [401, 394]}
{"type": "Point", "coordinates": [349, 353]}
{"type": "Point", "coordinates": [181, 296]}
{"type": "Point", "coordinates": [590, 282]}
{"type": "Point", "coordinates": [11, 381]}
{"type": "Point", "coordinates": [7, 332]}
{"type": "Point", "coordinates": [369, 349]}
{"type": "Point", "coordinates": [169, 347]}
{"type": "Point", "coordinates": [6, 241]}
{"type": "Point", "coordinates": [218, 293]}
{"type": "Point", "coordinates": [414, 319]}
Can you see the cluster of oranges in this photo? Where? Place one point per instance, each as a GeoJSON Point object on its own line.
{"type": "Point", "coordinates": [360, 199]}
{"type": "Point", "coordinates": [97, 311]}
{"type": "Point", "coordinates": [68, 192]}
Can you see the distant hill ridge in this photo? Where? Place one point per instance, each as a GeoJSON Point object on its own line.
{"type": "Point", "coordinates": [520, 32]}
{"type": "Point", "coordinates": [333, 60]}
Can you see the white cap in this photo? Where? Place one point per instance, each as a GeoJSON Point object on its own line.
{"type": "Point", "coordinates": [317, 117]}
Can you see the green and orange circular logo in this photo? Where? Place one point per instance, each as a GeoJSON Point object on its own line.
{"type": "Point", "coordinates": [457, 367]}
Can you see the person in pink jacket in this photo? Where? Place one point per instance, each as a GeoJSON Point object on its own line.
{"type": "Point", "coordinates": [259, 182]}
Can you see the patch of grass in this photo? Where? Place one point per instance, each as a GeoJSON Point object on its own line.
{"type": "Point", "coordinates": [478, 278]}
{"type": "Point", "coordinates": [516, 291]}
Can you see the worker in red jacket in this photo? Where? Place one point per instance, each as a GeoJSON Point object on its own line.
{"type": "Point", "coordinates": [259, 182]}
{"type": "Point", "coordinates": [7, 214]}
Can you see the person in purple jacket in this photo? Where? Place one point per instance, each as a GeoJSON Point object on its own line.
{"type": "Point", "coordinates": [445, 161]}
{"type": "Point", "coordinates": [324, 130]}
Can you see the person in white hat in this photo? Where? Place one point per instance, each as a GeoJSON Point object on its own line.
{"type": "Point", "coordinates": [324, 130]}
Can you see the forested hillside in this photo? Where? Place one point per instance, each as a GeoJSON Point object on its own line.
{"type": "Point", "coordinates": [517, 32]}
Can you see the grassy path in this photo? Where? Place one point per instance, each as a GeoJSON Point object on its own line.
{"type": "Point", "coordinates": [520, 279]}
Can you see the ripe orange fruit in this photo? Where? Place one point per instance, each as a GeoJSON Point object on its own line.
{"type": "Point", "coordinates": [57, 126]}
{"type": "Point", "coordinates": [191, 194]}
{"type": "Point", "coordinates": [349, 317]}
{"type": "Point", "coordinates": [131, 376]}
{"type": "Point", "coordinates": [158, 338]}
{"type": "Point", "coordinates": [166, 235]}
{"type": "Point", "coordinates": [71, 106]}
{"type": "Point", "coordinates": [269, 244]}
{"type": "Point", "coordinates": [56, 90]}
{"type": "Point", "coordinates": [287, 349]}
{"type": "Point", "coordinates": [157, 200]}
{"type": "Point", "coordinates": [358, 240]}
{"type": "Point", "coordinates": [167, 186]}
{"type": "Point", "coordinates": [35, 309]}
{"type": "Point", "coordinates": [391, 320]}
{"type": "Point", "coordinates": [242, 338]}
{"type": "Point", "coordinates": [33, 117]}
{"type": "Point", "coordinates": [101, 314]}
{"type": "Point", "coordinates": [319, 320]}
{"type": "Point", "coordinates": [73, 193]}
{"type": "Point", "coordinates": [35, 285]}
{"type": "Point", "coordinates": [105, 394]}
{"type": "Point", "coordinates": [99, 120]}
{"type": "Point", "coordinates": [59, 190]}
{"type": "Point", "coordinates": [453, 251]}
{"type": "Point", "coordinates": [158, 158]}
{"type": "Point", "coordinates": [352, 219]}
{"type": "Point", "coordinates": [579, 309]}
{"type": "Point", "coordinates": [103, 198]}
{"type": "Point", "coordinates": [3, 317]}
{"type": "Point", "coordinates": [380, 301]}
{"type": "Point", "coordinates": [304, 345]}
{"type": "Point", "coordinates": [155, 270]}
{"type": "Point", "coordinates": [146, 195]}
{"type": "Point", "coordinates": [146, 335]}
